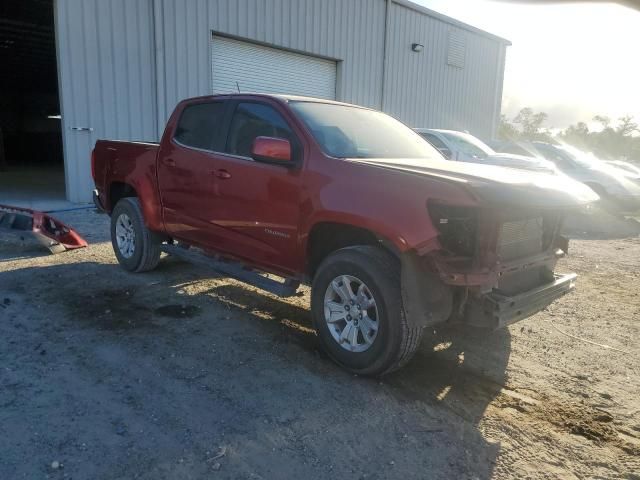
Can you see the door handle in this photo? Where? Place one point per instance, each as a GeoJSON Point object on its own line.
{"type": "Point", "coordinates": [222, 174]}
{"type": "Point", "coordinates": [169, 162]}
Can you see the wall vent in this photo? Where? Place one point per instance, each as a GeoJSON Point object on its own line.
{"type": "Point", "coordinates": [457, 49]}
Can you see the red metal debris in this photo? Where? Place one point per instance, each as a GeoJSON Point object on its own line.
{"type": "Point", "coordinates": [49, 231]}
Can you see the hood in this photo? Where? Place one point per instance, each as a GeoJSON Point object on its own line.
{"type": "Point", "coordinates": [521, 161]}
{"type": "Point", "coordinates": [614, 179]}
{"type": "Point", "coordinates": [628, 169]}
{"type": "Point", "coordinates": [618, 172]}
{"type": "Point", "coordinates": [626, 173]}
{"type": "Point", "coordinates": [496, 185]}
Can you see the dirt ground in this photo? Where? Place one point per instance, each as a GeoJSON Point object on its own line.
{"type": "Point", "coordinates": [174, 374]}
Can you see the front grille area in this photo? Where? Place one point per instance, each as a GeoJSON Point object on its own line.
{"type": "Point", "coordinates": [521, 238]}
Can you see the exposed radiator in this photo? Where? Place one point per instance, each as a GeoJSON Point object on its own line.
{"type": "Point", "coordinates": [520, 238]}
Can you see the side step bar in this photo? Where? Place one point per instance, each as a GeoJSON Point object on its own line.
{"type": "Point", "coordinates": [236, 270]}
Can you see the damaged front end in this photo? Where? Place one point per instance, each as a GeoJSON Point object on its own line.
{"type": "Point", "coordinates": [497, 264]}
{"type": "Point", "coordinates": [46, 230]}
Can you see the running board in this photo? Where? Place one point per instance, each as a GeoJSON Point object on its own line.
{"type": "Point", "coordinates": [236, 270]}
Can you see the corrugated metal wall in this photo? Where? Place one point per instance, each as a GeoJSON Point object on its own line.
{"type": "Point", "coordinates": [107, 78]}
{"type": "Point", "coordinates": [124, 64]}
{"type": "Point", "coordinates": [350, 31]}
{"type": "Point", "coordinates": [423, 90]}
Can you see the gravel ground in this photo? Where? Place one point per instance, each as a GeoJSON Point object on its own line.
{"type": "Point", "coordinates": [174, 374]}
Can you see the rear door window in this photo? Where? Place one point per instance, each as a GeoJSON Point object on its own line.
{"type": "Point", "coordinates": [436, 142]}
{"type": "Point", "coordinates": [199, 125]}
{"type": "Point", "coordinates": [461, 144]}
{"type": "Point", "coordinates": [556, 157]}
{"type": "Point", "coordinates": [252, 120]}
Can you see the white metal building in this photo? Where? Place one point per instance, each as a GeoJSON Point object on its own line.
{"type": "Point", "coordinates": [122, 65]}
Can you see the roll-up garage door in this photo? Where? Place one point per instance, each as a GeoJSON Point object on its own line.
{"type": "Point", "coordinates": [256, 68]}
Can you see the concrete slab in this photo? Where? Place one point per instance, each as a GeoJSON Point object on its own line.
{"type": "Point", "coordinates": [38, 188]}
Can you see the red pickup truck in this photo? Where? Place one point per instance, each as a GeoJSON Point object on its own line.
{"type": "Point", "coordinates": [391, 236]}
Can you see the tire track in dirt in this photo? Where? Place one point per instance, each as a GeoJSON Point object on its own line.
{"type": "Point", "coordinates": [533, 418]}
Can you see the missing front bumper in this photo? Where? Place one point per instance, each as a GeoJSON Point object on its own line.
{"type": "Point", "coordinates": [24, 223]}
{"type": "Point", "coordinates": [494, 310]}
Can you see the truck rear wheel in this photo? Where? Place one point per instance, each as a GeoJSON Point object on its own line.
{"type": "Point", "coordinates": [136, 247]}
{"type": "Point", "coordinates": [356, 304]}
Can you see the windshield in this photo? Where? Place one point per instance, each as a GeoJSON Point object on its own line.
{"type": "Point", "coordinates": [468, 144]}
{"type": "Point", "coordinates": [351, 132]}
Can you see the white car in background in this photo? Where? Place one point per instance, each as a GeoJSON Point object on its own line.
{"type": "Point", "coordinates": [617, 188]}
{"type": "Point", "coordinates": [631, 171]}
{"type": "Point", "coordinates": [464, 147]}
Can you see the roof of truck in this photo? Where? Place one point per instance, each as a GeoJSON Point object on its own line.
{"type": "Point", "coordinates": [277, 96]}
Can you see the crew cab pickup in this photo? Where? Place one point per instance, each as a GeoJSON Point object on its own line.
{"type": "Point", "coordinates": [391, 237]}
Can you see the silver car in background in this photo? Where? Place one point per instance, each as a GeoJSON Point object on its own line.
{"type": "Point", "coordinates": [630, 170]}
{"type": "Point", "coordinates": [618, 189]}
{"type": "Point", "coordinates": [464, 147]}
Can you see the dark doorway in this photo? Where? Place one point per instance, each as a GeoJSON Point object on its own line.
{"type": "Point", "coordinates": [31, 158]}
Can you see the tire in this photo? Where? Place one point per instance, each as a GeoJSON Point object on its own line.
{"type": "Point", "coordinates": [393, 342]}
{"type": "Point", "coordinates": [127, 223]}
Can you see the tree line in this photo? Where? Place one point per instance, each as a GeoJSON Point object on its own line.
{"type": "Point", "coordinates": [613, 140]}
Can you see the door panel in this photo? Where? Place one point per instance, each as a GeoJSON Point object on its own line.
{"type": "Point", "coordinates": [186, 183]}
{"type": "Point", "coordinates": [258, 204]}
{"type": "Point", "coordinates": [187, 167]}
{"type": "Point", "coordinates": [258, 207]}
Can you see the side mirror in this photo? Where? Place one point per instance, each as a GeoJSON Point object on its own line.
{"type": "Point", "coordinates": [271, 150]}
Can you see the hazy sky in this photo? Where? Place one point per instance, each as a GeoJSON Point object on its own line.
{"type": "Point", "coordinates": [572, 61]}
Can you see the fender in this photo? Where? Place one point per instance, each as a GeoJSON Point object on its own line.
{"type": "Point", "coordinates": [426, 299]}
{"type": "Point", "coordinates": [137, 168]}
{"type": "Point", "coordinates": [383, 231]}
{"type": "Point", "coordinates": [360, 194]}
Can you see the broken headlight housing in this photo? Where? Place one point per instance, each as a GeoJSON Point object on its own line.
{"type": "Point", "coordinates": [458, 227]}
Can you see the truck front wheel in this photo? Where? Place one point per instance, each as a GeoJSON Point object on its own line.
{"type": "Point", "coordinates": [136, 247]}
{"type": "Point", "coordinates": [356, 304]}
